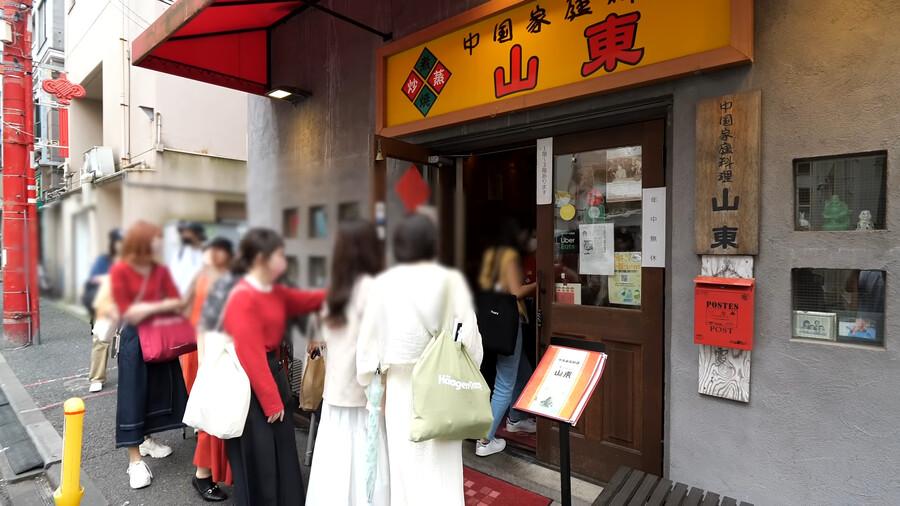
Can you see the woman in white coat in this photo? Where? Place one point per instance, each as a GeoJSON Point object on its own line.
{"type": "Point", "coordinates": [392, 338]}
{"type": "Point", "coordinates": [339, 469]}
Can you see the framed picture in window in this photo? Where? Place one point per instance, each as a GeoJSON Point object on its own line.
{"type": "Point", "coordinates": [814, 325]}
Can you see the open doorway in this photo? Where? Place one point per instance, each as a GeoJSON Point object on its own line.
{"type": "Point", "coordinates": [599, 177]}
{"type": "Point", "coordinates": [499, 187]}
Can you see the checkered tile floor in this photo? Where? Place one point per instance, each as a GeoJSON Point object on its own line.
{"type": "Point", "coordinates": [484, 496]}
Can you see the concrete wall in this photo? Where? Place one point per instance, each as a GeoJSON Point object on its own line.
{"type": "Point", "coordinates": [319, 152]}
{"type": "Point", "coordinates": [821, 424]}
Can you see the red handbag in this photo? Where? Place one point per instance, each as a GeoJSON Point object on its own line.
{"type": "Point", "coordinates": [166, 337]}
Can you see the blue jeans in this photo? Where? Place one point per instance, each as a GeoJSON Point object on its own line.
{"type": "Point", "coordinates": [525, 372]}
{"type": "Point", "coordinates": [505, 384]}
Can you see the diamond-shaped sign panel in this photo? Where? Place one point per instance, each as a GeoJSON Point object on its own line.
{"type": "Point", "coordinates": [412, 86]}
{"type": "Point", "coordinates": [439, 77]}
{"type": "Point", "coordinates": [425, 62]}
{"type": "Point", "coordinates": [425, 101]}
{"type": "Point", "coordinates": [412, 189]}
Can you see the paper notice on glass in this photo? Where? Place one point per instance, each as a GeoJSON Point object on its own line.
{"type": "Point", "coordinates": [568, 293]}
{"type": "Point", "coordinates": [624, 175]}
{"type": "Point", "coordinates": [596, 249]}
{"type": "Point", "coordinates": [562, 384]}
{"type": "Point", "coordinates": [653, 229]}
{"type": "Point", "coordinates": [625, 285]}
{"type": "Point", "coordinates": [545, 171]}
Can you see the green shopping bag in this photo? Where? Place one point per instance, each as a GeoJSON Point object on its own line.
{"type": "Point", "coordinates": [451, 399]}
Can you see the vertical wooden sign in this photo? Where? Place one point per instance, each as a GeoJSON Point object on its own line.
{"type": "Point", "coordinates": [727, 175]}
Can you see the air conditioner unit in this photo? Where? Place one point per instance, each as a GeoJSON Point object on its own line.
{"type": "Point", "coordinates": [98, 162]}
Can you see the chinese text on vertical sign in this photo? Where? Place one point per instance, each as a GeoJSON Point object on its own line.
{"type": "Point", "coordinates": [727, 177]}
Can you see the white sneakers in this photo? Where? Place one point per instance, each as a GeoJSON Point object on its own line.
{"type": "Point", "coordinates": [139, 475]}
{"type": "Point", "coordinates": [96, 386]}
{"type": "Point", "coordinates": [527, 425]}
{"type": "Point", "coordinates": [496, 445]}
{"type": "Point", "coordinates": [154, 449]}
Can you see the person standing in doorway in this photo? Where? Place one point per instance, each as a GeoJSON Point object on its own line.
{"type": "Point", "coordinates": [501, 270]}
{"type": "Point", "coordinates": [151, 396]}
{"type": "Point", "coordinates": [188, 260]}
{"type": "Point", "coordinates": [393, 337]}
{"type": "Point", "coordinates": [102, 308]}
{"type": "Point", "coordinates": [264, 459]}
{"type": "Point", "coordinates": [339, 469]}
{"type": "Point", "coordinates": [210, 456]}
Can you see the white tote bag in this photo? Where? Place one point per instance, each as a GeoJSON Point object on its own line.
{"type": "Point", "coordinates": [220, 397]}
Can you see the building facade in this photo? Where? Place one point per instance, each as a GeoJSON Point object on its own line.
{"type": "Point", "coordinates": [48, 55]}
{"type": "Point", "coordinates": [136, 147]}
{"type": "Point", "coordinates": [810, 419]}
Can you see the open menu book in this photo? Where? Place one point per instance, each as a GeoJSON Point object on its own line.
{"type": "Point", "coordinates": [563, 383]}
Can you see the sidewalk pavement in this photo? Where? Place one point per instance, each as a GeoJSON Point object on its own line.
{"type": "Point", "coordinates": [57, 370]}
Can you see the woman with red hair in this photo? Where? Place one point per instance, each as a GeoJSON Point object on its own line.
{"type": "Point", "coordinates": [151, 396]}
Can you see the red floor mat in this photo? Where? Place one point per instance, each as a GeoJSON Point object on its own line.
{"type": "Point", "coordinates": [483, 490]}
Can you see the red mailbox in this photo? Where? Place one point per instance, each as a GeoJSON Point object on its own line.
{"type": "Point", "coordinates": [723, 312]}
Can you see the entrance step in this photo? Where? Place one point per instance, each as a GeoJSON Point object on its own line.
{"type": "Point", "coordinates": [524, 472]}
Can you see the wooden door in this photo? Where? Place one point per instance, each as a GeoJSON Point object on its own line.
{"type": "Point", "coordinates": [598, 178]}
{"type": "Point", "coordinates": [393, 158]}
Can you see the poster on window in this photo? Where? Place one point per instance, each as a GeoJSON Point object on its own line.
{"type": "Point", "coordinates": [625, 285]}
{"type": "Point", "coordinates": [596, 255]}
{"type": "Point", "coordinates": [624, 174]}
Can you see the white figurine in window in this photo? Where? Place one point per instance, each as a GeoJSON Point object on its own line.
{"type": "Point", "coordinates": [865, 221]}
{"type": "Point", "coordinates": [804, 223]}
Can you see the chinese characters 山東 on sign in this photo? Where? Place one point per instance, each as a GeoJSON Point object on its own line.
{"type": "Point", "coordinates": [727, 175]}
{"type": "Point", "coordinates": [498, 58]}
{"type": "Point", "coordinates": [563, 383]}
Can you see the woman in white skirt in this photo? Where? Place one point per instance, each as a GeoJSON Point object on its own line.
{"type": "Point", "coordinates": [392, 338]}
{"type": "Point", "coordinates": [340, 470]}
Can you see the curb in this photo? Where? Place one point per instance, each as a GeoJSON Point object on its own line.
{"type": "Point", "coordinates": [45, 438]}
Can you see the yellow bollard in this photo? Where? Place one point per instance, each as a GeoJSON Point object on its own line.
{"type": "Point", "coordinates": [70, 490]}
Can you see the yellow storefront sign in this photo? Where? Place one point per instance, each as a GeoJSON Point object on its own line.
{"type": "Point", "coordinates": [508, 55]}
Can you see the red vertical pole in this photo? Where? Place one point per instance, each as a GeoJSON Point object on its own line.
{"type": "Point", "coordinates": [20, 294]}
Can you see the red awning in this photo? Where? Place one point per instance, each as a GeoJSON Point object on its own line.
{"type": "Point", "coordinates": [222, 42]}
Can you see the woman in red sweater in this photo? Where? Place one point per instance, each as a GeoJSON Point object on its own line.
{"type": "Point", "coordinates": [264, 460]}
{"type": "Point", "coordinates": [151, 397]}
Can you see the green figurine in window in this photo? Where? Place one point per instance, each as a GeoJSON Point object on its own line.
{"type": "Point", "coordinates": [836, 214]}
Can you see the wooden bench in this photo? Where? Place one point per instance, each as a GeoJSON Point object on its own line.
{"type": "Point", "coordinates": [630, 487]}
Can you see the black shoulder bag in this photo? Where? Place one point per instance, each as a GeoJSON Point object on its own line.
{"type": "Point", "coordinates": [498, 315]}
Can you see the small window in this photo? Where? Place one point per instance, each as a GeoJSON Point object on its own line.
{"type": "Point", "coordinates": [845, 305]}
{"type": "Point", "coordinates": [348, 211]}
{"type": "Point", "coordinates": [318, 222]}
{"type": "Point", "coordinates": [318, 272]}
{"type": "Point", "coordinates": [293, 270]}
{"type": "Point", "coordinates": [290, 223]}
{"type": "Point", "coordinates": [840, 193]}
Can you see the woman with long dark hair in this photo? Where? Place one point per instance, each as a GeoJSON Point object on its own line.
{"type": "Point", "coordinates": [264, 460]}
{"type": "Point", "coordinates": [403, 304]}
{"type": "Point", "coordinates": [338, 473]}
{"type": "Point", "coordinates": [501, 270]}
{"type": "Point", "coordinates": [151, 396]}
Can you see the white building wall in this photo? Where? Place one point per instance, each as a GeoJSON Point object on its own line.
{"type": "Point", "coordinates": [182, 145]}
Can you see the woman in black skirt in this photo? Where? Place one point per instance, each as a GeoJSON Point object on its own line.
{"type": "Point", "coordinates": [264, 461]}
{"type": "Point", "coordinates": [151, 397]}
